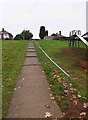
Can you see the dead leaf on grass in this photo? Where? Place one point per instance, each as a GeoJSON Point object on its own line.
{"type": "Point", "coordinates": [74, 89]}
{"type": "Point", "coordinates": [74, 97]}
{"type": "Point", "coordinates": [85, 105]}
{"type": "Point", "coordinates": [50, 85]}
{"type": "Point", "coordinates": [63, 114]}
{"type": "Point", "coordinates": [14, 88]}
{"type": "Point", "coordinates": [70, 84]}
{"type": "Point", "coordinates": [82, 113]}
{"type": "Point", "coordinates": [54, 76]}
{"type": "Point", "coordinates": [75, 102]}
{"type": "Point", "coordinates": [79, 96]}
{"type": "Point", "coordinates": [66, 91]}
{"type": "Point", "coordinates": [84, 97]}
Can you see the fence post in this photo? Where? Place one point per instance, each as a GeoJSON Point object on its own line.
{"type": "Point", "coordinates": [68, 78]}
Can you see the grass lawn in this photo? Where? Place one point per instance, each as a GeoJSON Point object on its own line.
{"type": "Point", "coordinates": [72, 61]}
{"type": "Point", "coordinates": [13, 53]}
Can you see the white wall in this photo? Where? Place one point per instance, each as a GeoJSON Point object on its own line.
{"type": "Point", "coordinates": [5, 36]}
{"type": "Point", "coordinates": [0, 36]}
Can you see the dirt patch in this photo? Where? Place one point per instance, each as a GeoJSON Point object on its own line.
{"type": "Point", "coordinates": [69, 52]}
{"type": "Point", "coordinates": [75, 111]}
{"type": "Point", "coordinates": [77, 108]}
{"type": "Point", "coordinates": [84, 64]}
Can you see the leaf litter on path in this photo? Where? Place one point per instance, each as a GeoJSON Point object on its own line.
{"type": "Point", "coordinates": [48, 115]}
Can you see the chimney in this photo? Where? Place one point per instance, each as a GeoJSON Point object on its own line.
{"type": "Point", "coordinates": [2, 29]}
{"type": "Point", "coordinates": [59, 32]}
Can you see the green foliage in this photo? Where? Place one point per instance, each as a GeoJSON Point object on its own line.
{"type": "Point", "coordinates": [64, 106]}
{"type": "Point", "coordinates": [27, 35]}
{"type": "Point", "coordinates": [18, 37]}
{"type": "Point", "coordinates": [13, 54]}
{"type": "Point", "coordinates": [58, 89]}
{"type": "Point", "coordinates": [43, 33]}
{"type": "Point", "coordinates": [46, 32]}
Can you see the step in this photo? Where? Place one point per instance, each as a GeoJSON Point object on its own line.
{"type": "Point", "coordinates": [31, 54]}
{"type": "Point", "coordinates": [31, 61]}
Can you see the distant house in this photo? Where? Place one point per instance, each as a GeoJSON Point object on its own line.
{"type": "Point", "coordinates": [55, 37]}
{"type": "Point", "coordinates": [85, 36]}
{"type": "Point", "coordinates": [5, 35]}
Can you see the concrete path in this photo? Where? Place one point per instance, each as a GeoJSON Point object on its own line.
{"type": "Point", "coordinates": [32, 97]}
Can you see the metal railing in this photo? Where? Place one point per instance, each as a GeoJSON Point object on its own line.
{"type": "Point", "coordinates": [68, 76]}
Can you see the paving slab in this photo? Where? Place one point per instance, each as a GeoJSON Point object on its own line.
{"type": "Point", "coordinates": [31, 50]}
{"type": "Point", "coordinates": [31, 47]}
{"type": "Point", "coordinates": [31, 61]}
{"type": "Point", "coordinates": [31, 54]}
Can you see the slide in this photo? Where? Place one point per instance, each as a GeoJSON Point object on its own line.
{"type": "Point", "coordinates": [82, 39]}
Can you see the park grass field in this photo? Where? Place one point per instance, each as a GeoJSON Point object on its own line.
{"type": "Point", "coordinates": [13, 53]}
{"type": "Point", "coordinates": [69, 59]}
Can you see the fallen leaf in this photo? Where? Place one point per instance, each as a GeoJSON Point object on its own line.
{"type": "Point", "coordinates": [84, 97]}
{"type": "Point", "coordinates": [85, 105]}
{"type": "Point", "coordinates": [74, 89]}
{"type": "Point", "coordinates": [75, 102]}
{"type": "Point", "coordinates": [54, 76]}
{"type": "Point", "coordinates": [58, 76]}
{"type": "Point", "coordinates": [14, 88]}
{"type": "Point", "coordinates": [71, 99]}
{"type": "Point", "coordinates": [52, 98]}
{"type": "Point", "coordinates": [63, 114]}
{"type": "Point", "coordinates": [22, 78]}
{"type": "Point", "coordinates": [74, 97]}
{"type": "Point", "coordinates": [47, 106]}
{"type": "Point", "coordinates": [51, 95]}
{"type": "Point", "coordinates": [48, 115]}
{"type": "Point", "coordinates": [48, 88]}
{"type": "Point", "coordinates": [71, 89]}
{"type": "Point", "coordinates": [70, 84]}
{"type": "Point", "coordinates": [65, 85]}
{"type": "Point", "coordinates": [50, 85]}
{"type": "Point", "coordinates": [82, 113]}
{"type": "Point", "coordinates": [79, 96]}
{"type": "Point", "coordinates": [66, 91]}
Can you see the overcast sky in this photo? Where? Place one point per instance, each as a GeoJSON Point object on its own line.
{"type": "Point", "coordinates": [55, 15]}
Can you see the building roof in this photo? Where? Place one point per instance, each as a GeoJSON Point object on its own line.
{"type": "Point", "coordinates": [5, 32]}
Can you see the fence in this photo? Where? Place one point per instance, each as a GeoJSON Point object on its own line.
{"type": "Point", "coordinates": [58, 67]}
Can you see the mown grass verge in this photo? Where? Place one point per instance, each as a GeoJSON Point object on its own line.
{"type": "Point", "coordinates": [13, 54]}
{"type": "Point", "coordinates": [58, 81]}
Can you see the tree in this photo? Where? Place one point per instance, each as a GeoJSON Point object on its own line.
{"type": "Point", "coordinates": [18, 37]}
{"type": "Point", "coordinates": [42, 33]}
{"type": "Point", "coordinates": [46, 33]}
{"type": "Point", "coordinates": [26, 34]}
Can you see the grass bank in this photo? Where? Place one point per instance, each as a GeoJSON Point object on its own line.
{"type": "Point", "coordinates": [13, 53]}
{"type": "Point", "coordinates": [69, 59]}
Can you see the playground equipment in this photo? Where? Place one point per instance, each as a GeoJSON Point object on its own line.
{"type": "Point", "coordinates": [75, 35]}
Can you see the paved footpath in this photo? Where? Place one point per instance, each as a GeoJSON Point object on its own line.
{"type": "Point", "coordinates": [32, 96]}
